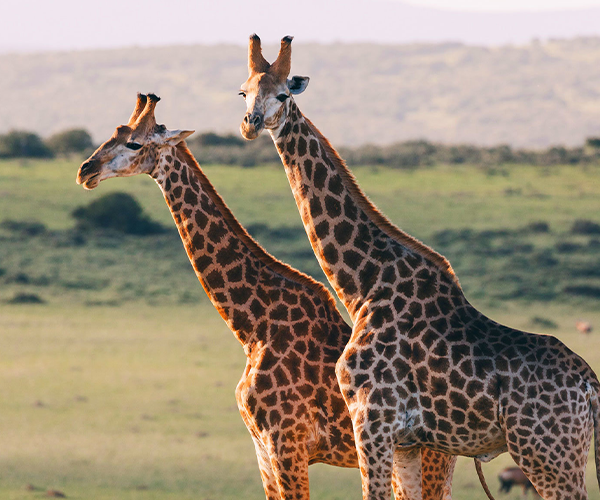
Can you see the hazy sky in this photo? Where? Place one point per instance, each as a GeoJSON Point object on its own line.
{"type": "Point", "coordinates": [41, 25]}
{"type": "Point", "coordinates": [505, 5]}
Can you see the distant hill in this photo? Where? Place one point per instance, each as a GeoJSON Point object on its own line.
{"type": "Point", "coordinates": [534, 95]}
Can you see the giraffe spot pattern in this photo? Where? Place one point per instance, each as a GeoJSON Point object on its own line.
{"type": "Point", "coordinates": [453, 369]}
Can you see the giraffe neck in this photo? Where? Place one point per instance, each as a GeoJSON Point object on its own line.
{"type": "Point", "coordinates": [349, 235]}
{"type": "Point", "coordinates": [238, 275]}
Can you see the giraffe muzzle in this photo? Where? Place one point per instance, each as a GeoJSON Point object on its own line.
{"type": "Point", "coordinates": [88, 174]}
{"type": "Point", "coordinates": [252, 125]}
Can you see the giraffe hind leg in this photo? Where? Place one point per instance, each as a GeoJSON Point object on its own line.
{"type": "Point", "coordinates": [406, 475]}
{"type": "Point", "coordinates": [436, 474]}
{"type": "Point", "coordinates": [552, 479]}
{"type": "Point", "coordinates": [553, 450]}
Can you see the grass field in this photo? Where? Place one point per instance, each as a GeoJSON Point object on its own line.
{"type": "Point", "coordinates": [121, 385]}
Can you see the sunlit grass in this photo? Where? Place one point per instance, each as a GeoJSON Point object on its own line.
{"type": "Point", "coordinates": [122, 384]}
{"type": "Point", "coordinates": [138, 402]}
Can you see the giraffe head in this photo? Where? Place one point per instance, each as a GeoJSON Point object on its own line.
{"type": "Point", "coordinates": [268, 89]}
{"type": "Point", "coordinates": [133, 148]}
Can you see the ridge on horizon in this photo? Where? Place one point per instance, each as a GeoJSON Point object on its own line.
{"type": "Point", "coordinates": [537, 95]}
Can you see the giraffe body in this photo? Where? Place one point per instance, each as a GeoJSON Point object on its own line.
{"type": "Point", "coordinates": [423, 367]}
{"type": "Point", "coordinates": [287, 323]}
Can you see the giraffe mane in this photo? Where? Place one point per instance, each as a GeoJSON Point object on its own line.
{"type": "Point", "coordinates": [265, 257]}
{"type": "Point", "coordinates": [380, 220]}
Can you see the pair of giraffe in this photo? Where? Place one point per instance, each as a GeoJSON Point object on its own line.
{"type": "Point", "coordinates": [287, 323]}
{"type": "Point", "coordinates": [422, 372]}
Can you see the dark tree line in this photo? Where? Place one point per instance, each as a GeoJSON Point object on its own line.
{"type": "Point", "coordinates": [211, 148]}
{"type": "Point", "coordinates": [232, 150]}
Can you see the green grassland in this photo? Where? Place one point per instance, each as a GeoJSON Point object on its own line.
{"type": "Point", "coordinates": [121, 384]}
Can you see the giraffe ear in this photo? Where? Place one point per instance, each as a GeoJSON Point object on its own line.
{"type": "Point", "coordinates": [297, 84]}
{"type": "Point", "coordinates": [174, 137]}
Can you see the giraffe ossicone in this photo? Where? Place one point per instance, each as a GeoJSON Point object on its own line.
{"type": "Point", "coordinates": [287, 323]}
{"type": "Point", "coordinates": [423, 367]}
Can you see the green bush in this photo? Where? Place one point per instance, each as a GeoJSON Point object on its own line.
{"type": "Point", "coordinates": [118, 212]}
{"type": "Point", "coordinates": [76, 140]}
{"type": "Point", "coordinates": [26, 298]}
{"type": "Point", "coordinates": [538, 227]}
{"type": "Point", "coordinates": [212, 139]}
{"type": "Point", "coordinates": [544, 322]}
{"type": "Point", "coordinates": [583, 290]}
{"type": "Point", "coordinates": [584, 226]}
{"type": "Point", "coordinates": [21, 144]}
{"type": "Point", "coordinates": [26, 228]}
{"type": "Point", "coordinates": [593, 142]}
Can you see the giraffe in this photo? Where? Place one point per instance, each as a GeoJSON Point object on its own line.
{"type": "Point", "coordinates": [423, 367]}
{"type": "Point", "coordinates": [288, 323]}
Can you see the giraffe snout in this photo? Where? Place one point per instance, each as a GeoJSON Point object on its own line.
{"type": "Point", "coordinates": [252, 125]}
{"type": "Point", "coordinates": [253, 119]}
{"type": "Point", "coordinates": [86, 174]}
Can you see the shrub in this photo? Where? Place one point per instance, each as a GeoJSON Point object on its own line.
{"type": "Point", "coordinates": [567, 247]}
{"type": "Point", "coordinates": [543, 322]}
{"type": "Point", "coordinates": [544, 258]}
{"type": "Point", "coordinates": [76, 140]}
{"type": "Point", "coordinates": [584, 226]}
{"type": "Point", "coordinates": [116, 211]}
{"type": "Point", "coordinates": [26, 298]}
{"type": "Point", "coordinates": [260, 230]}
{"type": "Point", "coordinates": [593, 142]}
{"type": "Point", "coordinates": [583, 290]}
{"type": "Point", "coordinates": [27, 228]}
{"type": "Point", "coordinates": [538, 227]}
{"type": "Point", "coordinates": [212, 139]}
{"type": "Point", "coordinates": [21, 144]}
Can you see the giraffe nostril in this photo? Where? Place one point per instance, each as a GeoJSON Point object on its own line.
{"type": "Point", "coordinates": [256, 120]}
{"type": "Point", "coordinates": [246, 119]}
{"type": "Point", "coordinates": [85, 167]}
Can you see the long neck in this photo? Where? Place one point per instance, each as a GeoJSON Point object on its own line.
{"type": "Point", "coordinates": [241, 279]}
{"type": "Point", "coordinates": [351, 239]}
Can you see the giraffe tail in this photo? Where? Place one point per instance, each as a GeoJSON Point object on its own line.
{"type": "Point", "coordinates": [482, 479]}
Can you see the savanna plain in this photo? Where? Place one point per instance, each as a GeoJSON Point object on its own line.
{"type": "Point", "coordinates": [118, 376]}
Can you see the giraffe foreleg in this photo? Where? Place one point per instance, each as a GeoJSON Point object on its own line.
{"type": "Point", "coordinates": [373, 424]}
{"type": "Point", "coordinates": [289, 462]}
{"type": "Point", "coordinates": [267, 475]}
{"type": "Point", "coordinates": [375, 452]}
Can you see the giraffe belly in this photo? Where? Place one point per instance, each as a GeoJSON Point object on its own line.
{"type": "Point", "coordinates": [441, 432]}
{"type": "Point", "coordinates": [482, 445]}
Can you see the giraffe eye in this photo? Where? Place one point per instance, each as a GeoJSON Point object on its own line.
{"type": "Point", "coordinates": [242, 93]}
{"type": "Point", "coordinates": [282, 97]}
{"type": "Point", "coordinates": [133, 145]}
